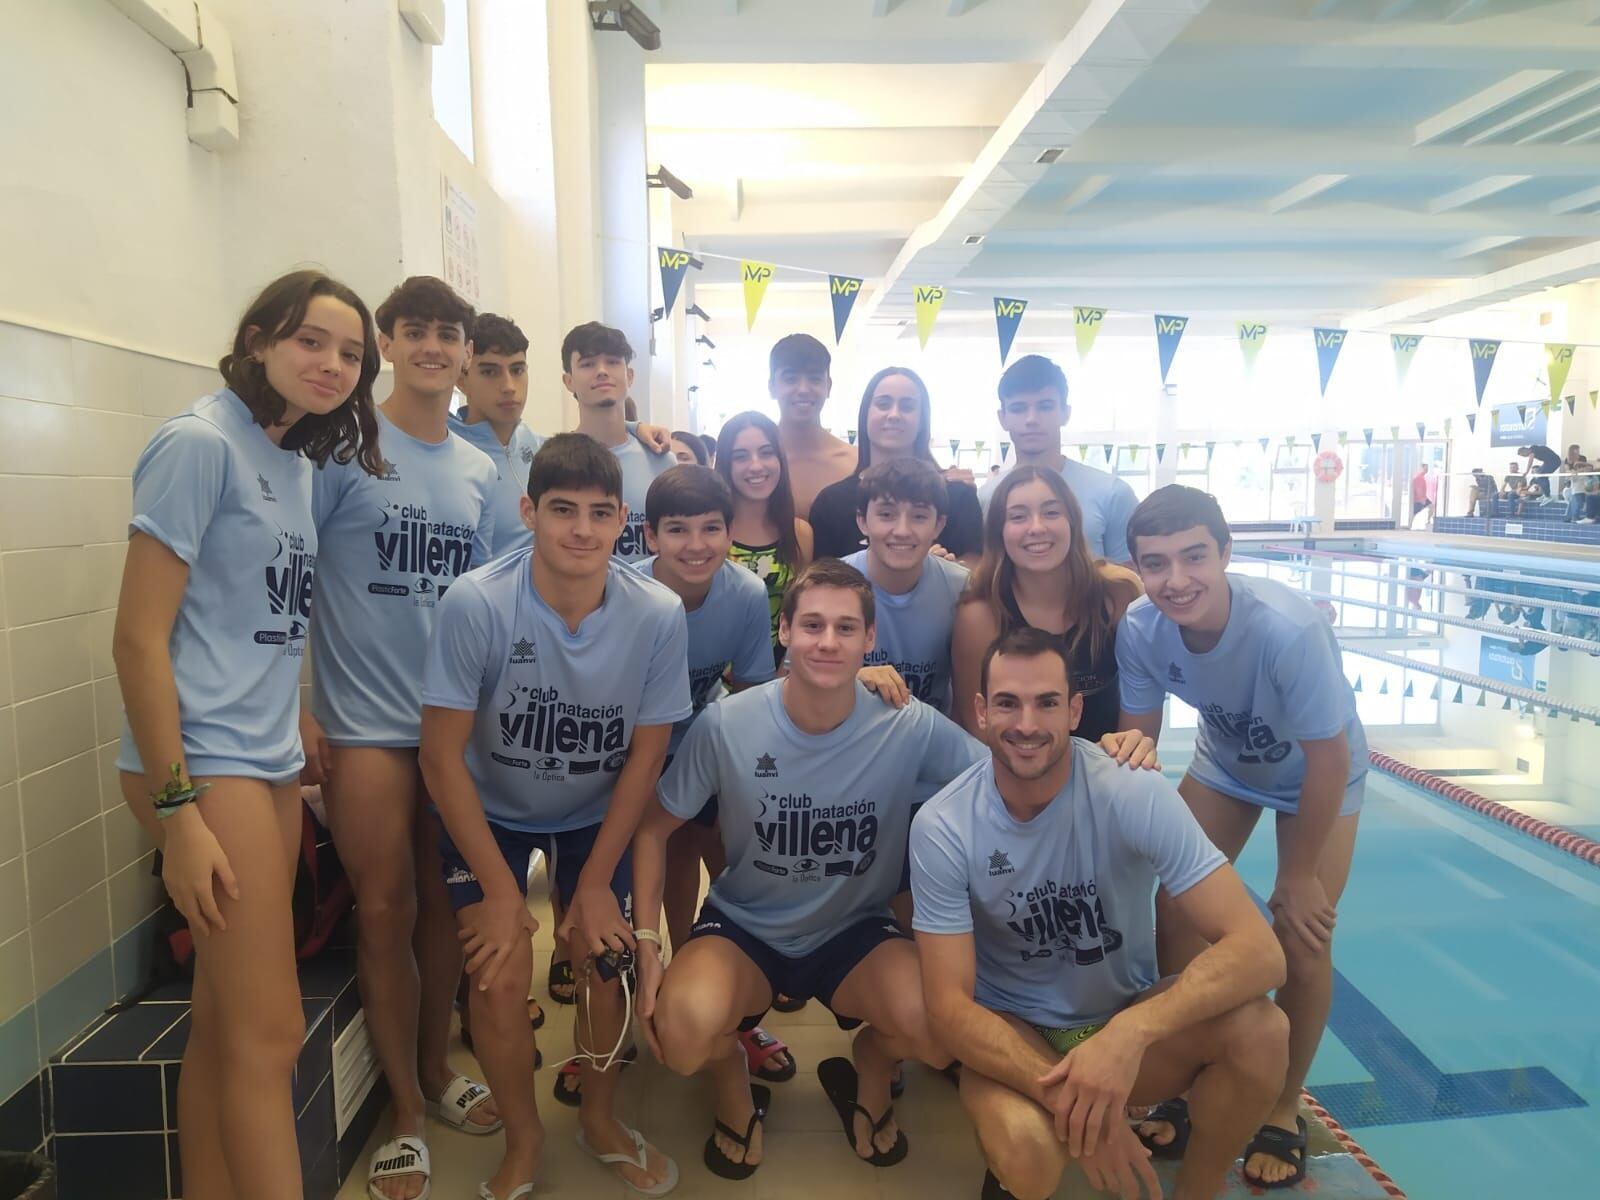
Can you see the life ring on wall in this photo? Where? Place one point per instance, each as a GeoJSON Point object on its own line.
{"type": "Point", "coordinates": [1327, 466]}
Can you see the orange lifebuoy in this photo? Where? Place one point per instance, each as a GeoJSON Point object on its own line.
{"type": "Point", "coordinates": [1327, 466]}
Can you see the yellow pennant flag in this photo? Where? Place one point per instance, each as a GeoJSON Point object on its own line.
{"type": "Point", "coordinates": [1086, 324]}
{"type": "Point", "coordinates": [1558, 358]}
{"type": "Point", "coordinates": [929, 299]}
{"type": "Point", "coordinates": [1252, 336]}
{"type": "Point", "coordinates": [755, 276]}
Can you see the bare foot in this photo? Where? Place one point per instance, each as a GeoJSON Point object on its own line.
{"type": "Point", "coordinates": [608, 1136]}
{"type": "Point", "coordinates": [1268, 1168]}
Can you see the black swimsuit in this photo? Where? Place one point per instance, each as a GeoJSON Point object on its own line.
{"type": "Point", "coordinates": [1093, 679]}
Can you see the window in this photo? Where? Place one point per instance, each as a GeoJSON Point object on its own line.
{"type": "Point", "coordinates": [452, 78]}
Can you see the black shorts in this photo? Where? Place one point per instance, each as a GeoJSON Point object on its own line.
{"type": "Point", "coordinates": [817, 975]}
{"type": "Point", "coordinates": [567, 852]}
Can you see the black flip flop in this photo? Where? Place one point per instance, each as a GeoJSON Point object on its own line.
{"type": "Point", "coordinates": [1282, 1145]}
{"type": "Point", "coordinates": [787, 1004]}
{"type": "Point", "coordinates": [720, 1164]}
{"type": "Point", "coordinates": [1174, 1112]}
{"type": "Point", "coordinates": [573, 1097]}
{"type": "Point", "coordinates": [840, 1085]}
{"type": "Point", "coordinates": [561, 977]}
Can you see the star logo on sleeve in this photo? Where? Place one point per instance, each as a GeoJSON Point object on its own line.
{"type": "Point", "coordinates": [1000, 864]}
{"type": "Point", "coordinates": [523, 651]}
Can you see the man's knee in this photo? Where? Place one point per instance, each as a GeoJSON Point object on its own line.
{"type": "Point", "coordinates": [386, 912]}
{"type": "Point", "coordinates": [1255, 1040]}
{"type": "Point", "coordinates": [688, 1024]}
{"type": "Point", "coordinates": [1021, 1151]}
{"type": "Point", "coordinates": [1302, 962]}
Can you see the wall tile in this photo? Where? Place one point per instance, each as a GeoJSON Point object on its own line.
{"type": "Point", "coordinates": [39, 439]}
{"type": "Point", "coordinates": [66, 1008]}
{"type": "Point", "coordinates": [109, 443]}
{"type": "Point", "coordinates": [69, 937]}
{"type": "Point", "coordinates": [13, 899]}
{"type": "Point", "coordinates": [60, 798]}
{"type": "Point", "coordinates": [8, 747]}
{"type": "Point", "coordinates": [107, 711]}
{"type": "Point", "coordinates": [105, 377]}
{"type": "Point", "coordinates": [49, 656]}
{"type": "Point", "coordinates": [16, 975]}
{"type": "Point", "coordinates": [102, 626]}
{"type": "Point", "coordinates": [64, 868]}
{"type": "Point", "coordinates": [107, 506]}
{"type": "Point", "coordinates": [135, 894]}
{"type": "Point", "coordinates": [40, 510]}
{"type": "Point", "coordinates": [41, 585]}
{"type": "Point", "coordinates": [126, 840]}
{"type": "Point", "coordinates": [35, 365]}
{"type": "Point", "coordinates": [133, 958]}
{"type": "Point", "coordinates": [105, 574]}
{"type": "Point", "coordinates": [110, 777]}
{"type": "Point", "coordinates": [10, 821]}
{"type": "Point", "coordinates": [19, 1051]}
{"type": "Point", "coordinates": [171, 387]}
{"type": "Point", "coordinates": [54, 728]}
{"type": "Point", "coordinates": [5, 667]}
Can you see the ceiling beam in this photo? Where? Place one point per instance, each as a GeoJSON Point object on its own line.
{"type": "Point", "coordinates": [1481, 104]}
{"type": "Point", "coordinates": [1160, 222]}
{"type": "Point", "coordinates": [1565, 95]}
{"type": "Point", "coordinates": [1303, 191]}
{"type": "Point", "coordinates": [1473, 192]}
{"type": "Point", "coordinates": [1085, 192]}
{"type": "Point", "coordinates": [1478, 246]}
{"type": "Point", "coordinates": [960, 7]}
{"type": "Point", "coordinates": [1587, 198]}
{"type": "Point", "coordinates": [1394, 8]}
{"type": "Point", "coordinates": [1578, 118]}
{"type": "Point", "coordinates": [1550, 270]}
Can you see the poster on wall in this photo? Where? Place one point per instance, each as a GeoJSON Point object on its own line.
{"type": "Point", "coordinates": [1518, 425]}
{"type": "Point", "coordinates": [1504, 662]}
{"type": "Point", "coordinates": [460, 227]}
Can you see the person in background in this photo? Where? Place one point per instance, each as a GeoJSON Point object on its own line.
{"type": "Point", "coordinates": [1419, 489]}
{"type": "Point", "coordinates": [1483, 494]}
{"type": "Point", "coordinates": [209, 639]}
{"type": "Point", "coordinates": [688, 449]}
{"type": "Point", "coordinates": [768, 539]}
{"type": "Point", "coordinates": [1542, 463]}
{"type": "Point", "coordinates": [799, 381]}
{"type": "Point", "coordinates": [709, 441]}
{"type": "Point", "coordinates": [895, 421]}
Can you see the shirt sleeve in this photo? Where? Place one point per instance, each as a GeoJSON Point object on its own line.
{"type": "Point", "coordinates": [178, 485]}
{"type": "Point", "coordinates": [753, 662]}
{"type": "Point", "coordinates": [1158, 826]}
{"type": "Point", "coordinates": [948, 749]}
{"type": "Point", "coordinates": [1119, 510]}
{"type": "Point", "coordinates": [1140, 693]}
{"type": "Point", "coordinates": [1311, 686]}
{"type": "Point", "coordinates": [694, 777]}
{"type": "Point", "coordinates": [666, 684]}
{"type": "Point", "coordinates": [329, 482]}
{"type": "Point", "coordinates": [939, 885]}
{"type": "Point", "coordinates": [483, 539]}
{"type": "Point", "coordinates": [963, 532]}
{"type": "Point", "coordinates": [457, 663]}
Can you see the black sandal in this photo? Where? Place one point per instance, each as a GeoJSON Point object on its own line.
{"type": "Point", "coordinates": [572, 1096]}
{"type": "Point", "coordinates": [561, 977]}
{"type": "Point", "coordinates": [720, 1164]}
{"type": "Point", "coordinates": [787, 1004]}
{"type": "Point", "coordinates": [841, 1086]}
{"type": "Point", "coordinates": [1282, 1145]}
{"type": "Point", "coordinates": [1174, 1112]}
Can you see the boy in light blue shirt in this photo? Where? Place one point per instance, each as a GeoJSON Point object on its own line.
{"type": "Point", "coordinates": [902, 506]}
{"type": "Point", "coordinates": [495, 384]}
{"type": "Point", "coordinates": [814, 779]}
{"type": "Point", "coordinates": [1278, 730]}
{"type": "Point", "coordinates": [1033, 873]}
{"type": "Point", "coordinates": [1034, 411]}
{"type": "Point", "coordinates": [596, 365]}
{"type": "Point", "coordinates": [551, 687]}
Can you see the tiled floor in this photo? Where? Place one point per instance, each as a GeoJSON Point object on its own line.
{"type": "Point", "coordinates": [806, 1154]}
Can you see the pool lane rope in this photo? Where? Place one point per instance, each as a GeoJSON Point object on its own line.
{"type": "Point", "coordinates": [1563, 839]}
{"type": "Point", "coordinates": [1353, 1147]}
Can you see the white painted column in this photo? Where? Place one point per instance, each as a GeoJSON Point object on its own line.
{"type": "Point", "coordinates": [624, 206]}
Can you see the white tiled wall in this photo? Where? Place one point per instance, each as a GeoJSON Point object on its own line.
{"type": "Point", "coordinates": [74, 865]}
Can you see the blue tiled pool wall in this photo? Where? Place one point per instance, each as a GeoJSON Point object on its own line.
{"type": "Point", "coordinates": [1526, 528]}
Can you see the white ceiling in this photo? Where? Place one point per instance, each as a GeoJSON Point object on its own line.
{"type": "Point", "coordinates": [1293, 160]}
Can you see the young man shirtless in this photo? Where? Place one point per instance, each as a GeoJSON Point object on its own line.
{"type": "Point", "coordinates": [799, 381]}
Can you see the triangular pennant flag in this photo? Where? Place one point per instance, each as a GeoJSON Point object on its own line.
{"type": "Point", "coordinates": [1007, 316]}
{"type": "Point", "coordinates": [842, 291]}
{"type": "Point", "coordinates": [1329, 343]}
{"type": "Point", "coordinates": [1367, 433]}
{"type": "Point", "coordinates": [928, 299]}
{"type": "Point", "coordinates": [1265, 442]}
{"type": "Point", "coordinates": [1316, 442]}
{"type": "Point", "coordinates": [1409, 692]}
{"type": "Point", "coordinates": [1252, 336]}
{"type": "Point", "coordinates": [1344, 438]}
{"type": "Point", "coordinates": [1494, 418]}
{"type": "Point", "coordinates": [1483, 356]}
{"type": "Point", "coordinates": [1289, 442]}
{"type": "Point", "coordinates": [1133, 454]}
{"type": "Point", "coordinates": [978, 446]}
{"type": "Point", "coordinates": [1422, 430]}
{"type": "Point", "coordinates": [1594, 399]}
{"type": "Point", "coordinates": [1456, 699]}
{"type": "Point", "coordinates": [1558, 361]}
{"type": "Point", "coordinates": [1211, 448]}
{"type": "Point", "coordinates": [1110, 450]}
{"type": "Point", "coordinates": [1357, 687]}
{"type": "Point", "coordinates": [1161, 451]}
{"type": "Point", "coordinates": [1383, 688]}
{"type": "Point", "coordinates": [1447, 423]}
{"type": "Point", "coordinates": [1483, 699]}
{"type": "Point", "coordinates": [851, 434]}
{"type": "Point", "coordinates": [1169, 332]}
{"type": "Point", "coordinates": [1005, 449]}
{"type": "Point", "coordinates": [1086, 324]}
{"type": "Point", "coordinates": [1394, 433]}
{"type": "Point", "coordinates": [1083, 452]}
{"type": "Point", "coordinates": [1472, 422]}
{"type": "Point", "coordinates": [755, 276]}
{"type": "Point", "coordinates": [1437, 688]}
{"type": "Point", "coordinates": [1404, 346]}
{"type": "Point", "coordinates": [955, 447]}
{"type": "Point", "coordinates": [1572, 406]}
{"type": "Point", "coordinates": [1506, 705]}
{"type": "Point", "coordinates": [1183, 447]}
{"type": "Point", "coordinates": [1522, 413]}
{"type": "Point", "coordinates": [673, 264]}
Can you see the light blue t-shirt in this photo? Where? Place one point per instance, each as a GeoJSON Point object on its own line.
{"type": "Point", "coordinates": [1061, 908]}
{"type": "Point", "coordinates": [1107, 503]}
{"type": "Point", "coordinates": [729, 628]}
{"type": "Point", "coordinates": [1275, 679]}
{"type": "Point", "coordinates": [512, 462]}
{"type": "Point", "coordinates": [639, 470]}
{"type": "Point", "coordinates": [913, 629]}
{"type": "Point", "coordinates": [391, 546]}
{"type": "Point", "coordinates": [814, 825]}
{"type": "Point", "coordinates": [556, 710]}
{"type": "Point", "coordinates": [213, 489]}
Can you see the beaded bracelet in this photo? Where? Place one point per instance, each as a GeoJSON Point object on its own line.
{"type": "Point", "coordinates": [177, 793]}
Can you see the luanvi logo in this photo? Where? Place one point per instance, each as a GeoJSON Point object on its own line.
{"type": "Point", "coordinates": [391, 473]}
{"type": "Point", "coordinates": [766, 767]}
{"type": "Point", "coordinates": [1000, 864]}
{"type": "Point", "coordinates": [522, 651]}
{"type": "Point", "coordinates": [266, 489]}
{"type": "Point", "coordinates": [1175, 673]}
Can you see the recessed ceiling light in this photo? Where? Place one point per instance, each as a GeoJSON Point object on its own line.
{"type": "Point", "coordinates": [972, 239]}
{"type": "Point", "coordinates": [1050, 155]}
